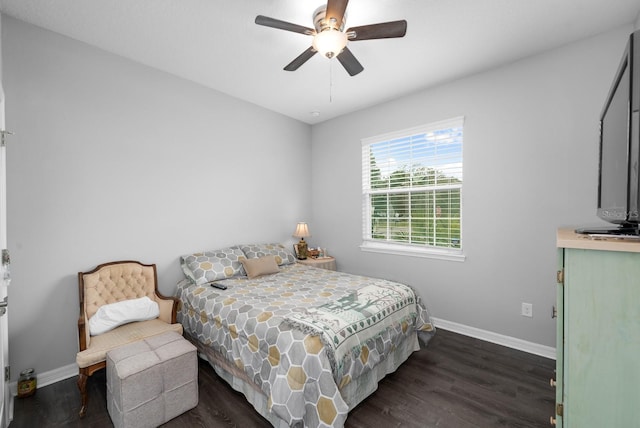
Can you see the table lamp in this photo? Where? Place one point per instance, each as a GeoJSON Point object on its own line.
{"type": "Point", "coordinates": [302, 231]}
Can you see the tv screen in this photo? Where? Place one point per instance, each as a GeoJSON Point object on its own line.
{"type": "Point", "coordinates": [613, 192]}
{"type": "Point", "coordinates": [618, 178]}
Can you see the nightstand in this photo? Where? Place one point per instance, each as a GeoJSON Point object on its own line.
{"type": "Point", "coordinates": [321, 262]}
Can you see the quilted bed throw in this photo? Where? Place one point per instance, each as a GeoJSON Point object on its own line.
{"type": "Point", "coordinates": [345, 324]}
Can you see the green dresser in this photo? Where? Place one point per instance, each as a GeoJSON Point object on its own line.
{"type": "Point", "coordinates": [598, 338]}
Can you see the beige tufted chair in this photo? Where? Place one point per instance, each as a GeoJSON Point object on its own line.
{"type": "Point", "coordinates": [109, 283]}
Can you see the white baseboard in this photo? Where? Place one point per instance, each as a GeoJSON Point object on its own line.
{"type": "Point", "coordinates": [65, 372]}
{"type": "Point", "coordinates": [500, 339]}
{"type": "Point", "coordinates": [50, 377]}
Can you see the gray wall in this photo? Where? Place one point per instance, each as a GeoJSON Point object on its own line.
{"type": "Point", "coordinates": [113, 160]}
{"type": "Point", "coordinates": [530, 166]}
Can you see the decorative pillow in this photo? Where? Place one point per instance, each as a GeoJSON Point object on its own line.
{"type": "Point", "coordinates": [261, 266]}
{"type": "Point", "coordinates": [282, 254]}
{"type": "Point", "coordinates": [209, 266]}
{"type": "Point", "coordinates": [110, 316]}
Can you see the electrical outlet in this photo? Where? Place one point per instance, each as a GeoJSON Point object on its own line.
{"type": "Point", "coordinates": [527, 310]}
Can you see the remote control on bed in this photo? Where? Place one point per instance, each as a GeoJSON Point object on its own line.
{"type": "Point", "coordinates": [218, 285]}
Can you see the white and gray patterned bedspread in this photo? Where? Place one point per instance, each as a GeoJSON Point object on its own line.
{"type": "Point", "coordinates": [304, 333]}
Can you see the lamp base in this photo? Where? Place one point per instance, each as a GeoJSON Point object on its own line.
{"type": "Point", "coordinates": [302, 250]}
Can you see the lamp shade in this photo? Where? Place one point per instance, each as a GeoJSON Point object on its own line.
{"type": "Point", "coordinates": [302, 230]}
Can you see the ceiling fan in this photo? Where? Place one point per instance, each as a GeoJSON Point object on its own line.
{"type": "Point", "coordinates": [329, 37]}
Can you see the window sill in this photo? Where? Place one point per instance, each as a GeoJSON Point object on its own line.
{"type": "Point", "coordinates": [413, 251]}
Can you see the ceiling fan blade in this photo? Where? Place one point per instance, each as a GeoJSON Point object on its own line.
{"type": "Point", "coordinates": [336, 10]}
{"type": "Point", "coordinates": [301, 59]}
{"type": "Point", "coordinates": [283, 25]}
{"type": "Point", "coordinates": [384, 30]}
{"type": "Point", "coordinates": [349, 62]}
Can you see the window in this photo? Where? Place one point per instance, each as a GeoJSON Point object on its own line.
{"type": "Point", "coordinates": [411, 188]}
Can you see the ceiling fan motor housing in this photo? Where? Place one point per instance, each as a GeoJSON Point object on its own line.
{"type": "Point", "coordinates": [321, 24]}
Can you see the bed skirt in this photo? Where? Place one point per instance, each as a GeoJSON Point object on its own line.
{"type": "Point", "coordinates": [353, 393]}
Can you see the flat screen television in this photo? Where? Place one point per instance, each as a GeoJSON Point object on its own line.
{"type": "Point", "coordinates": [619, 177]}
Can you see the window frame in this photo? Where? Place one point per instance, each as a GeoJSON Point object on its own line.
{"type": "Point", "coordinates": [387, 246]}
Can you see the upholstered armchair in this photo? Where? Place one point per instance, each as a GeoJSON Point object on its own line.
{"type": "Point", "coordinates": [109, 283]}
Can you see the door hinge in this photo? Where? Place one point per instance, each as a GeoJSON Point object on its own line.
{"type": "Point", "coordinates": [559, 409]}
{"type": "Point", "coordinates": [7, 373]}
{"type": "Point", "coordinates": [3, 136]}
{"type": "Point", "coordinates": [560, 277]}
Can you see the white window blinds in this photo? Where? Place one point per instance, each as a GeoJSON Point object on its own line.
{"type": "Point", "coordinates": [412, 185]}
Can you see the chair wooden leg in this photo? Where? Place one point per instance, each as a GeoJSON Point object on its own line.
{"type": "Point", "coordinates": [82, 386]}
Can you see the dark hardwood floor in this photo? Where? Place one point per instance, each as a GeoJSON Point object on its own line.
{"type": "Point", "coordinates": [456, 382]}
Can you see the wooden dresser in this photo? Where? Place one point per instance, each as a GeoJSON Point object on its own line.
{"type": "Point", "coordinates": [598, 339]}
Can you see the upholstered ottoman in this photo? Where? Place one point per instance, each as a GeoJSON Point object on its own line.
{"type": "Point", "coordinates": [151, 381]}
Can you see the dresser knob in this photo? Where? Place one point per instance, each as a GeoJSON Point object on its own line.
{"type": "Point", "coordinates": [552, 420]}
{"type": "Point", "coordinates": [552, 382]}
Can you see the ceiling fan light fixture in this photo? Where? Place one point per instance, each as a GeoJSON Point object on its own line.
{"type": "Point", "coordinates": [330, 42]}
{"type": "Point", "coordinates": [330, 37]}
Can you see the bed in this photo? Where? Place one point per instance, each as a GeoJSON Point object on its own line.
{"type": "Point", "coordinates": [304, 345]}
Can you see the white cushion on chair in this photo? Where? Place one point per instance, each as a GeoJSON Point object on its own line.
{"type": "Point", "coordinates": [110, 316]}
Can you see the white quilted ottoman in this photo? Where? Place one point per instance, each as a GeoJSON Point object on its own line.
{"type": "Point", "coordinates": [151, 381]}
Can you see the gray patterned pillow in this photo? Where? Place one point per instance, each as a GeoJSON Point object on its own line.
{"type": "Point", "coordinates": [282, 254]}
{"type": "Point", "coordinates": [209, 266]}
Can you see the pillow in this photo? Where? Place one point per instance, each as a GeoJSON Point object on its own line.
{"type": "Point", "coordinates": [110, 316]}
{"type": "Point", "coordinates": [209, 266]}
{"type": "Point", "coordinates": [282, 254]}
{"type": "Point", "coordinates": [261, 266]}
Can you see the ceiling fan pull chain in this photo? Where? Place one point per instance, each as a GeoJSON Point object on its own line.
{"type": "Point", "coordinates": [330, 81]}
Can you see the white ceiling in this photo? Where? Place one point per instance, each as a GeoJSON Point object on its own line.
{"type": "Point", "coordinates": [217, 44]}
